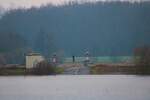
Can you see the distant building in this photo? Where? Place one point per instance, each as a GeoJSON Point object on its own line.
{"type": "Point", "coordinates": [54, 60]}
{"type": "Point", "coordinates": [87, 56]}
{"type": "Point", "coordinates": [32, 59]}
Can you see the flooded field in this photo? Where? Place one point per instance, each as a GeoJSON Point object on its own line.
{"type": "Point", "coordinates": [75, 87]}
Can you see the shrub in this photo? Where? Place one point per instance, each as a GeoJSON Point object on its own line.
{"type": "Point", "coordinates": [43, 68]}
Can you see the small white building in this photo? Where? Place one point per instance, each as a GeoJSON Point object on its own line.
{"type": "Point", "coordinates": [32, 59]}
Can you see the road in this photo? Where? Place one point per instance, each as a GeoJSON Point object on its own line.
{"type": "Point", "coordinates": [76, 69]}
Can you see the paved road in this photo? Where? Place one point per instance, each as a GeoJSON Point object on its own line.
{"type": "Point", "coordinates": [77, 69]}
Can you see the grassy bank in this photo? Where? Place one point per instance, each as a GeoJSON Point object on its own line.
{"type": "Point", "coordinates": [117, 69]}
{"type": "Point", "coordinates": [59, 70]}
{"type": "Point", "coordinates": [95, 69]}
{"type": "Point", "coordinates": [23, 71]}
{"type": "Point", "coordinates": [12, 71]}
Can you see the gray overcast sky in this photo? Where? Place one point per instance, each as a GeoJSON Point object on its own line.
{"type": "Point", "coordinates": [30, 3]}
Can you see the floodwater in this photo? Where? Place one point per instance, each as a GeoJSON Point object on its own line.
{"type": "Point", "coordinates": [75, 87]}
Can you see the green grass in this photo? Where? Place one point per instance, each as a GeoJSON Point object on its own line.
{"type": "Point", "coordinates": [10, 71]}
{"type": "Point", "coordinates": [59, 70]}
{"type": "Point", "coordinates": [95, 70]}
{"type": "Point", "coordinates": [22, 71]}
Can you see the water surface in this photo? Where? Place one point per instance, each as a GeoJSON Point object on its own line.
{"type": "Point", "coordinates": [77, 87]}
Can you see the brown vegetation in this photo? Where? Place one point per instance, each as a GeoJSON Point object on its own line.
{"type": "Point", "coordinates": [142, 59]}
{"type": "Point", "coordinates": [141, 65]}
{"type": "Point", "coordinates": [113, 69]}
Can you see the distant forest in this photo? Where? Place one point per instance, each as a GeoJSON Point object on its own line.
{"type": "Point", "coordinates": [104, 29]}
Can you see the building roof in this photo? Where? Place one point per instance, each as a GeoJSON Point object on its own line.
{"type": "Point", "coordinates": [33, 54]}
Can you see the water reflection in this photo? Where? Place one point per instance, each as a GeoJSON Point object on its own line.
{"type": "Point", "coordinates": [85, 87]}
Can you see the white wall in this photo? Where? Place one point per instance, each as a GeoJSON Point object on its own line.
{"type": "Point", "coordinates": [31, 61]}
